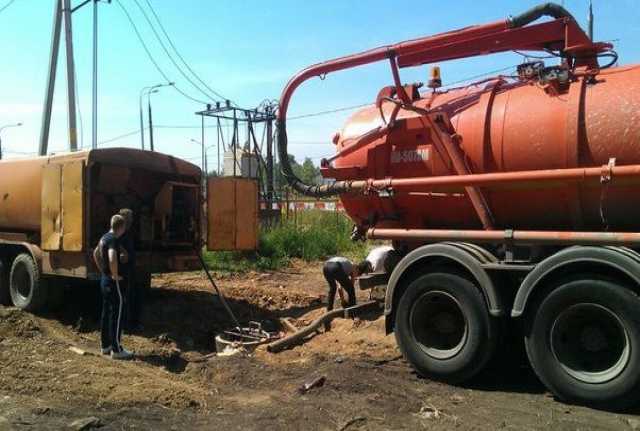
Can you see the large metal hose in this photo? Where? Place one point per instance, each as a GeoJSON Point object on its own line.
{"type": "Point", "coordinates": [339, 187]}
{"type": "Point", "coordinates": [553, 10]}
{"type": "Point", "coordinates": [315, 190]}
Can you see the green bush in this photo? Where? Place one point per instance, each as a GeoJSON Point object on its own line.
{"type": "Point", "coordinates": [313, 235]}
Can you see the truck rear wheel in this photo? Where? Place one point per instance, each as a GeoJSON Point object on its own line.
{"type": "Point", "coordinates": [28, 290]}
{"type": "Point", "coordinates": [584, 343]}
{"type": "Point", "coordinates": [443, 327]}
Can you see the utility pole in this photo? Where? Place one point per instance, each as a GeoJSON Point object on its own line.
{"type": "Point", "coordinates": [234, 142]}
{"type": "Point", "coordinates": [94, 107]}
{"type": "Point", "coordinates": [206, 161]}
{"type": "Point", "coordinates": [218, 132]}
{"type": "Point", "coordinates": [269, 158]}
{"type": "Point", "coordinates": [591, 20]}
{"type": "Point", "coordinates": [71, 76]}
{"type": "Point", "coordinates": [94, 99]}
{"type": "Point", "coordinates": [203, 155]}
{"type": "Point", "coordinates": [150, 120]}
{"type": "Point", "coordinates": [63, 10]}
{"type": "Point", "coordinates": [141, 117]}
{"type": "Point", "coordinates": [51, 78]}
{"type": "Point", "coordinates": [148, 91]}
{"type": "Point", "coordinates": [144, 92]}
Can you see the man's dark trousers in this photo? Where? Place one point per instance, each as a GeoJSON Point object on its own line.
{"type": "Point", "coordinates": [334, 273]}
{"type": "Point", "coordinates": [112, 313]}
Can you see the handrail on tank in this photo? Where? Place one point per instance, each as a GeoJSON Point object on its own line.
{"type": "Point", "coordinates": [513, 237]}
{"type": "Point", "coordinates": [563, 33]}
{"type": "Point", "coordinates": [515, 177]}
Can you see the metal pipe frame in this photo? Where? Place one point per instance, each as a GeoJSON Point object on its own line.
{"type": "Point", "coordinates": [515, 237]}
{"type": "Point", "coordinates": [472, 41]}
{"type": "Point", "coordinates": [562, 34]}
{"type": "Point", "coordinates": [517, 177]}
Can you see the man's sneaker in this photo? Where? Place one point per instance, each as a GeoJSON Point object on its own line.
{"type": "Point", "coordinates": [106, 351]}
{"type": "Point", "coordinates": [123, 354]}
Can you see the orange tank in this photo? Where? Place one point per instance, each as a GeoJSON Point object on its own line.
{"type": "Point", "coordinates": [503, 126]}
{"type": "Point", "coordinates": [20, 199]}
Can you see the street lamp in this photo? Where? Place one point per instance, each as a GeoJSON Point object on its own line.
{"type": "Point", "coordinates": [150, 118]}
{"type": "Point", "coordinates": [6, 127]}
{"type": "Point", "coordinates": [145, 92]}
{"type": "Point", "coordinates": [204, 156]}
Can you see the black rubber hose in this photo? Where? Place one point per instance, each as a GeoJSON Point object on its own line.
{"type": "Point", "coordinates": [319, 191]}
{"type": "Point", "coordinates": [546, 9]}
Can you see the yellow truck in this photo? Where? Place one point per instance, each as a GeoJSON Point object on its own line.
{"type": "Point", "coordinates": [54, 209]}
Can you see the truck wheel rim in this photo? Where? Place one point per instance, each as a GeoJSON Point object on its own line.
{"type": "Point", "coordinates": [22, 282]}
{"type": "Point", "coordinates": [438, 325]}
{"type": "Point", "coordinates": [590, 343]}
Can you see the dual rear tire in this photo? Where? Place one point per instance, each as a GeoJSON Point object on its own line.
{"type": "Point", "coordinates": [583, 342]}
{"type": "Point", "coordinates": [443, 327]}
{"type": "Point", "coordinates": [582, 338]}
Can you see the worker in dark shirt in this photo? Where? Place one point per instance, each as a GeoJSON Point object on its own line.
{"type": "Point", "coordinates": [106, 258]}
{"type": "Point", "coordinates": [128, 271]}
{"type": "Point", "coordinates": [340, 270]}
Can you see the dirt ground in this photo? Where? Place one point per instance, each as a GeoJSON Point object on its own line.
{"type": "Point", "coordinates": [171, 385]}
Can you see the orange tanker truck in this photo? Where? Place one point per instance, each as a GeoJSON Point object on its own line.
{"type": "Point", "coordinates": [513, 200]}
{"type": "Point", "coordinates": [54, 209]}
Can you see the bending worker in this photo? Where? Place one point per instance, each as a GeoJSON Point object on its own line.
{"type": "Point", "coordinates": [340, 270]}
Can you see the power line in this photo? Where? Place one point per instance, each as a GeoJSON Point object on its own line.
{"type": "Point", "coordinates": [181, 57]}
{"type": "Point", "coordinates": [137, 131]}
{"type": "Point", "coordinates": [224, 126]}
{"type": "Point", "coordinates": [155, 64]}
{"type": "Point", "coordinates": [6, 6]}
{"type": "Point", "coordinates": [331, 111]}
{"type": "Point", "coordinates": [482, 75]}
{"type": "Point", "coordinates": [314, 114]}
{"type": "Point", "coordinates": [153, 29]}
{"type": "Point", "coordinates": [124, 135]}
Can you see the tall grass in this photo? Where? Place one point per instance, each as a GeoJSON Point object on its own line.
{"type": "Point", "coordinates": [313, 235]}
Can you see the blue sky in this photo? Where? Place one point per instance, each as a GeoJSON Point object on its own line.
{"type": "Point", "coordinates": [245, 50]}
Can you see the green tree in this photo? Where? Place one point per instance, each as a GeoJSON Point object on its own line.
{"type": "Point", "coordinates": [308, 172]}
{"type": "Point", "coordinates": [279, 178]}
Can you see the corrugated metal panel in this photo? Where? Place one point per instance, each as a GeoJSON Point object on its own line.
{"type": "Point", "coordinates": [72, 206]}
{"type": "Point", "coordinates": [51, 212]}
{"type": "Point", "coordinates": [232, 205]}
